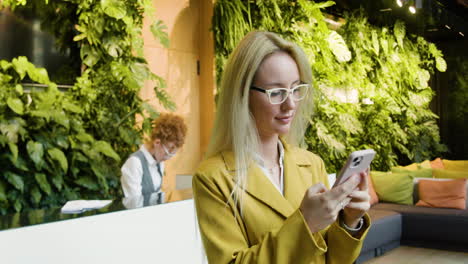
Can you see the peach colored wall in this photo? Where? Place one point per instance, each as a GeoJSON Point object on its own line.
{"type": "Point", "coordinates": [208, 74]}
{"type": "Point", "coordinates": [178, 66]}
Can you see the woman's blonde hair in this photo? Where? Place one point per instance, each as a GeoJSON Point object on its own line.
{"type": "Point", "coordinates": [234, 128]}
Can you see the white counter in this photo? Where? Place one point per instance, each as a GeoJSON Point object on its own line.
{"type": "Point", "coordinates": [165, 233]}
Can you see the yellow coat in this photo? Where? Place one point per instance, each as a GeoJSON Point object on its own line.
{"type": "Point", "coordinates": [272, 228]}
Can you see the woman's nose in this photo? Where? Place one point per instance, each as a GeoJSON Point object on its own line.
{"type": "Point", "coordinates": [289, 103]}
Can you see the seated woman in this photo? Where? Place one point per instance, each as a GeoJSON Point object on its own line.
{"type": "Point", "coordinates": [259, 197]}
{"type": "Point", "coordinates": [143, 171]}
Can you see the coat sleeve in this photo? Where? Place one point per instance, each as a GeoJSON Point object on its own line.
{"type": "Point", "coordinates": [342, 246]}
{"type": "Point", "coordinates": [225, 240]}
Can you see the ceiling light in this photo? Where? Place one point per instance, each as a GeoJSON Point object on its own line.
{"type": "Point", "coordinates": [461, 34]}
{"type": "Point", "coordinates": [412, 9]}
{"type": "Point", "coordinates": [399, 3]}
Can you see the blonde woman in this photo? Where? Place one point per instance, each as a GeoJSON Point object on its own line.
{"type": "Point", "coordinates": [259, 197]}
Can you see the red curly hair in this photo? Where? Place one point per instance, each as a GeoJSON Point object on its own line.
{"type": "Point", "coordinates": [169, 128]}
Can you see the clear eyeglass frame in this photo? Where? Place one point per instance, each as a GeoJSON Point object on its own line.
{"type": "Point", "coordinates": [282, 91]}
{"type": "Point", "coordinates": [169, 154]}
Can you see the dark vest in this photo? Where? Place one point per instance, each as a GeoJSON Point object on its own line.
{"type": "Point", "coordinates": [147, 186]}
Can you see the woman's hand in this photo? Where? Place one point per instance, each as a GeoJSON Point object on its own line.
{"type": "Point", "coordinates": [320, 206]}
{"type": "Point", "coordinates": [360, 201]}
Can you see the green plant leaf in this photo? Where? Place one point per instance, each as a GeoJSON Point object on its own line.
{"type": "Point", "coordinates": [15, 180]}
{"type": "Point", "coordinates": [153, 113]}
{"type": "Point", "coordinates": [399, 32]}
{"type": "Point", "coordinates": [57, 154]}
{"type": "Point", "coordinates": [41, 179]}
{"type": "Point", "coordinates": [100, 173]}
{"type": "Point", "coordinates": [106, 149]}
{"type": "Point", "coordinates": [72, 107]}
{"type": "Point", "coordinates": [84, 137]}
{"type": "Point", "coordinates": [12, 129]}
{"type": "Point", "coordinates": [159, 31]}
{"type": "Point", "coordinates": [17, 205]}
{"type": "Point", "coordinates": [441, 65]}
{"type": "Point", "coordinates": [125, 135]}
{"type": "Point", "coordinates": [80, 157]}
{"type": "Point", "coordinates": [16, 105]}
{"type": "Point", "coordinates": [140, 71]}
{"type": "Point", "coordinates": [35, 195]}
{"type": "Point", "coordinates": [62, 141]}
{"type": "Point", "coordinates": [61, 118]}
{"type": "Point", "coordinates": [35, 151]}
{"type": "Point", "coordinates": [89, 56]}
{"type": "Point", "coordinates": [19, 163]}
{"type": "Point", "coordinates": [41, 113]}
{"type": "Point", "coordinates": [38, 74]}
{"type": "Point", "coordinates": [3, 189]}
{"type": "Point", "coordinates": [324, 4]}
{"type": "Point", "coordinates": [111, 45]}
{"type": "Point", "coordinates": [21, 65]}
{"type": "Point", "coordinates": [4, 78]}
{"type": "Point", "coordinates": [57, 180]}
{"type": "Point", "coordinates": [79, 37]}
{"type": "Point", "coordinates": [19, 89]}
{"type": "Point", "coordinates": [338, 47]}
{"type": "Point", "coordinates": [14, 150]}
{"type": "Point", "coordinates": [5, 65]}
{"type": "Point", "coordinates": [114, 8]}
{"type": "Point", "coordinates": [375, 42]}
{"type": "Point", "coordinates": [88, 183]}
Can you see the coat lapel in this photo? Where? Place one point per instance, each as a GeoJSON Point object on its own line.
{"type": "Point", "coordinates": [260, 187]}
{"type": "Point", "coordinates": [294, 183]}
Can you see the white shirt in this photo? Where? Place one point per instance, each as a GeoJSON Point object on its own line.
{"type": "Point", "coordinates": [132, 173]}
{"type": "Point", "coordinates": [267, 173]}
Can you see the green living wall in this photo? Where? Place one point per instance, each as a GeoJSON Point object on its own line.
{"type": "Point", "coordinates": [371, 83]}
{"type": "Point", "coordinates": [58, 146]}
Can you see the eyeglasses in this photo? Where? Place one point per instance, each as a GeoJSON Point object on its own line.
{"type": "Point", "coordinates": [279, 95]}
{"type": "Point", "coordinates": [169, 154]}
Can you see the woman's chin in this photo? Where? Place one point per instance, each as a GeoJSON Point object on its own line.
{"type": "Point", "coordinates": [283, 130]}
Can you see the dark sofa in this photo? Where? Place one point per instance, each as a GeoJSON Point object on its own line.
{"type": "Point", "coordinates": [394, 225]}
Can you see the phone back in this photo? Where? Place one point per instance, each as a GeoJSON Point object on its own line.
{"type": "Point", "coordinates": [357, 162]}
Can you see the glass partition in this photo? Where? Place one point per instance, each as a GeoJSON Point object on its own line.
{"type": "Point", "coordinates": [42, 216]}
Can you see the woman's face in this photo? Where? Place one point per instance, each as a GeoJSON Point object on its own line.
{"type": "Point", "coordinates": [163, 151]}
{"type": "Point", "coordinates": [278, 70]}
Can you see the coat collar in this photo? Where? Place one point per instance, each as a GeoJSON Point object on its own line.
{"type": "Point", "coordinates": [259, 186]}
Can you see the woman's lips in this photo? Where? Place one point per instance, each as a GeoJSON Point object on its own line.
{"type": "Point", "coordinates": [284, 119]}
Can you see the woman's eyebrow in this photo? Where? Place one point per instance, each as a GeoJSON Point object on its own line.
{"type": "Point", "coordinates": [277, 84]}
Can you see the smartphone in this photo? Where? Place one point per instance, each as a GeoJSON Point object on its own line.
{"type": "Point", "coordinates": [357, 162]}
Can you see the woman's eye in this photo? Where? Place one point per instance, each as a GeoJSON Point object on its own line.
{"type": "Point", "coordinates": [277, 93]}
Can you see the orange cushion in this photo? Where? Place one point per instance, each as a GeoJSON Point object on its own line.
{"type": "Point", "coordinates": [442, 194]}
{"type": "Point", "coordinates": [437, 164]}
{"type": "Point", "coordinates": [373, 195]}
